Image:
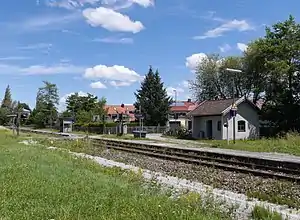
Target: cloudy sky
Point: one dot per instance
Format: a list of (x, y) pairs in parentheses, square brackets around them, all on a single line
[(105, 47)]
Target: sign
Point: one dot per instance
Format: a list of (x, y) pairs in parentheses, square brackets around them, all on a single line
[(138, 115), (232, 112)]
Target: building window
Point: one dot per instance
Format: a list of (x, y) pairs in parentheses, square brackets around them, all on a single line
[(219, 126), (241, 126)]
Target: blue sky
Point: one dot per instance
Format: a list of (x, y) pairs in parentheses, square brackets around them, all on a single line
[(104, 47)]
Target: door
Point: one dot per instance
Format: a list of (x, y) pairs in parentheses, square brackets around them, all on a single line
[(209, 129)]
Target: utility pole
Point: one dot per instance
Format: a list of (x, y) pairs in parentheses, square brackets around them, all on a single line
[(140, 120), (233, 106), (18, 119)]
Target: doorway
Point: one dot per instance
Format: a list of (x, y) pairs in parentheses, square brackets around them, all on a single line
[(209, 129)]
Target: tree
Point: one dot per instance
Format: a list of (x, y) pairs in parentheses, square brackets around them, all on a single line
[(153, 99), (80, 106), (275, 60), (3, 116), (45, 112), (213, 81), (7, 100)]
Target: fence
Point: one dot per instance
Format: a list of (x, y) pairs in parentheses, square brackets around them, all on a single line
[(113, 130)]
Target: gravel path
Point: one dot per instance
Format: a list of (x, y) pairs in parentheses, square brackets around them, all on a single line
[(240, 201)]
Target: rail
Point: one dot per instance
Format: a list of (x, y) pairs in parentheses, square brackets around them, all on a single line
[(288, 170)]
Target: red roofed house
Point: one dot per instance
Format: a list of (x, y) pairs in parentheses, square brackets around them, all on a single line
[(178, 116), (209, 117), (114, 110)]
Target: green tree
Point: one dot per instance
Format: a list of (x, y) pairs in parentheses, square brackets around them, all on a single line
[(7, 100), (45, 112), (78, 106), (153, 99), (213, 81), (275, 60), (3, 116)]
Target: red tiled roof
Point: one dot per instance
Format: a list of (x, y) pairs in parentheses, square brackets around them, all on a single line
[(183, 107), (127, 108)]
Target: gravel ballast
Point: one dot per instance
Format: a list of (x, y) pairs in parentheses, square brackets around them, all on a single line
[(243, 205)]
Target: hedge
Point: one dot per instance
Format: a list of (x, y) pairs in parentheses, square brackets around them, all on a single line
[(108, 125)]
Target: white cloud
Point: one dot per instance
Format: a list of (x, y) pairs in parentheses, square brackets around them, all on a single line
[(98, 85), (224, 48), (172, 90), (114, 4), (114, 73), (122, 4), (194, 60), (36, 46), (50, 70), (64, 98), (115, 40), (60, 68), (185, 84), (50, 21), (233, 25), (70, 4), (242, 47), (111, 20), (13, 58), (119, 83)]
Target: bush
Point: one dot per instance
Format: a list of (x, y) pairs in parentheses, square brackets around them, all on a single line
[(181, 133), (101, 125)]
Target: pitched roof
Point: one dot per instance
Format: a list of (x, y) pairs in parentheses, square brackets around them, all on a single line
[(183, 106), (126, 110), (216, 107)]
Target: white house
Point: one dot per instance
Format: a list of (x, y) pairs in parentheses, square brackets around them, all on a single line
[(209, 118)]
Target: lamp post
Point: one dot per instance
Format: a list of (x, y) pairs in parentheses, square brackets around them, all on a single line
[(120, 115), (233, 109), (175, 91)]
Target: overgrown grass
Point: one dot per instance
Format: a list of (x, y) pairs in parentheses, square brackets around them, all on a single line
[(253, 191), (289, 144), (260, 213), (36, 183)]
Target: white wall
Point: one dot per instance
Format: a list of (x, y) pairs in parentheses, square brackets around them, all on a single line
[(199, 124), (247, 113)]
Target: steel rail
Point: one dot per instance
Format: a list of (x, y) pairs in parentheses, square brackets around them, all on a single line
[(257, 166), (237, 166)]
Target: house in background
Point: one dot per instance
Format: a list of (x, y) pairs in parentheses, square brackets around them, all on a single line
[(178, 116), (209, 117), (114, 110)]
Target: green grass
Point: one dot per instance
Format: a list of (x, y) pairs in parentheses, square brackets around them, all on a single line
[(278, 193), (260, 213), (36, 183), (290, 144)]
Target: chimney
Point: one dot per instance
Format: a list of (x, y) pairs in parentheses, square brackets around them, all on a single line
[(189, 100)]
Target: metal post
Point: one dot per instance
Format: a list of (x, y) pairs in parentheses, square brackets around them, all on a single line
[(233, 104), (227, 131), (140, 120)]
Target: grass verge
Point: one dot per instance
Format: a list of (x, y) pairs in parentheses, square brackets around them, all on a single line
[(260, 213), (36, 183), (275, 191), (289, 144)]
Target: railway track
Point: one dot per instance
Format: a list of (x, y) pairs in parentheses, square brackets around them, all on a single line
[(287, 170), (260, 167)]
